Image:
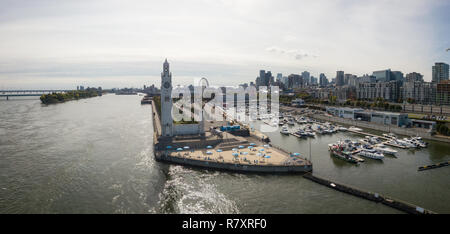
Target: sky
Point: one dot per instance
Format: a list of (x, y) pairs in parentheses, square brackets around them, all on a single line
[(62, 44)]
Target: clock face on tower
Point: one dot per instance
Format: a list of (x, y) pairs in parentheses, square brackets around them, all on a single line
[(166, 85)]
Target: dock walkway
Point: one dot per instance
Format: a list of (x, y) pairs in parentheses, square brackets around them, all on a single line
[(396, 204), (434, 166)]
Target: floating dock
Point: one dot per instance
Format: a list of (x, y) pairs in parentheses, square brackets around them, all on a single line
[(396, 204), (359, 159), (297, 135), (434, 166)]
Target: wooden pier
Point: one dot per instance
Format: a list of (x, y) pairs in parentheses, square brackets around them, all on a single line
[(359, 159), (396, 204), (297, 135)]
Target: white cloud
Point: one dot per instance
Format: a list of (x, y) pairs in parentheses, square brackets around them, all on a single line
[(295, 54)]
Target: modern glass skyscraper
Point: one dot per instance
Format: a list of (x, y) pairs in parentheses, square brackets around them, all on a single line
[(383, 75), (440, 72), (339, 78)]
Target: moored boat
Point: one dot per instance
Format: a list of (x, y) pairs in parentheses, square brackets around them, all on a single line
[(284, 130), (385, 150), (338, 151)]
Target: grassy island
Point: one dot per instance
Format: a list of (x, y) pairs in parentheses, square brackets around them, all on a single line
[(71, 95)]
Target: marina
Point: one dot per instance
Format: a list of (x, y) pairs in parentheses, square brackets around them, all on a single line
[(373, 146)]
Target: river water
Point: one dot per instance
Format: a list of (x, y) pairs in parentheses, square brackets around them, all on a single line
[(95, 156)]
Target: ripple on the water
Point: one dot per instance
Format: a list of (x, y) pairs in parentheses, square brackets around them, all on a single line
[(189, 191)]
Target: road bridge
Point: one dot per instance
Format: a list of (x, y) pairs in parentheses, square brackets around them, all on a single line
[(29, 92)]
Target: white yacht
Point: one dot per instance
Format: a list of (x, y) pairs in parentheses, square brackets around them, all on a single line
[(415, 143), (405, 144), (284, 130), (299, 133), (370, 153), (419, 140), (342, 129), (365, 141), (310, 133), (390, 135), (353, 128), (291, 122), (385, 150)]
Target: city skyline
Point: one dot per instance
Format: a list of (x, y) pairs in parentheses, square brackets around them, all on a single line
[(61, 45)]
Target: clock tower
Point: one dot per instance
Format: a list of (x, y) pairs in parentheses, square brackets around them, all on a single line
[(166, 101)]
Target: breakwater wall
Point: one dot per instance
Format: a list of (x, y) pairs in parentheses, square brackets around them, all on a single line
[(232, 167), (396, 204)]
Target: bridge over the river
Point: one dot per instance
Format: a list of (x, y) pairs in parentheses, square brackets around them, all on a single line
[(31, 92)]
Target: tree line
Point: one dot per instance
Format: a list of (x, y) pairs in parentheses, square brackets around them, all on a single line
[(70, 95)]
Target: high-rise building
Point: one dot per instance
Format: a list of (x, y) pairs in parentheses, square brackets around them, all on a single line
[(313, 80), (440, 72), (306, 77), (419, 91), (350, 79), (323, 81), (397, 75), (264, 79), (285, 80), (443, 93), (340, 78), (413, 76), (366, 78), (279, 77), (387, 90), (383, 75), (295, 81)]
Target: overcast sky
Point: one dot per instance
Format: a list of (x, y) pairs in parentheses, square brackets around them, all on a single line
[(62, 44)]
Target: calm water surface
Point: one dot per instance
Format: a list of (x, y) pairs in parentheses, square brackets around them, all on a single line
[(95, 156)]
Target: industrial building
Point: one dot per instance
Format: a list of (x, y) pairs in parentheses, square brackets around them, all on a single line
[(380, 117)]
